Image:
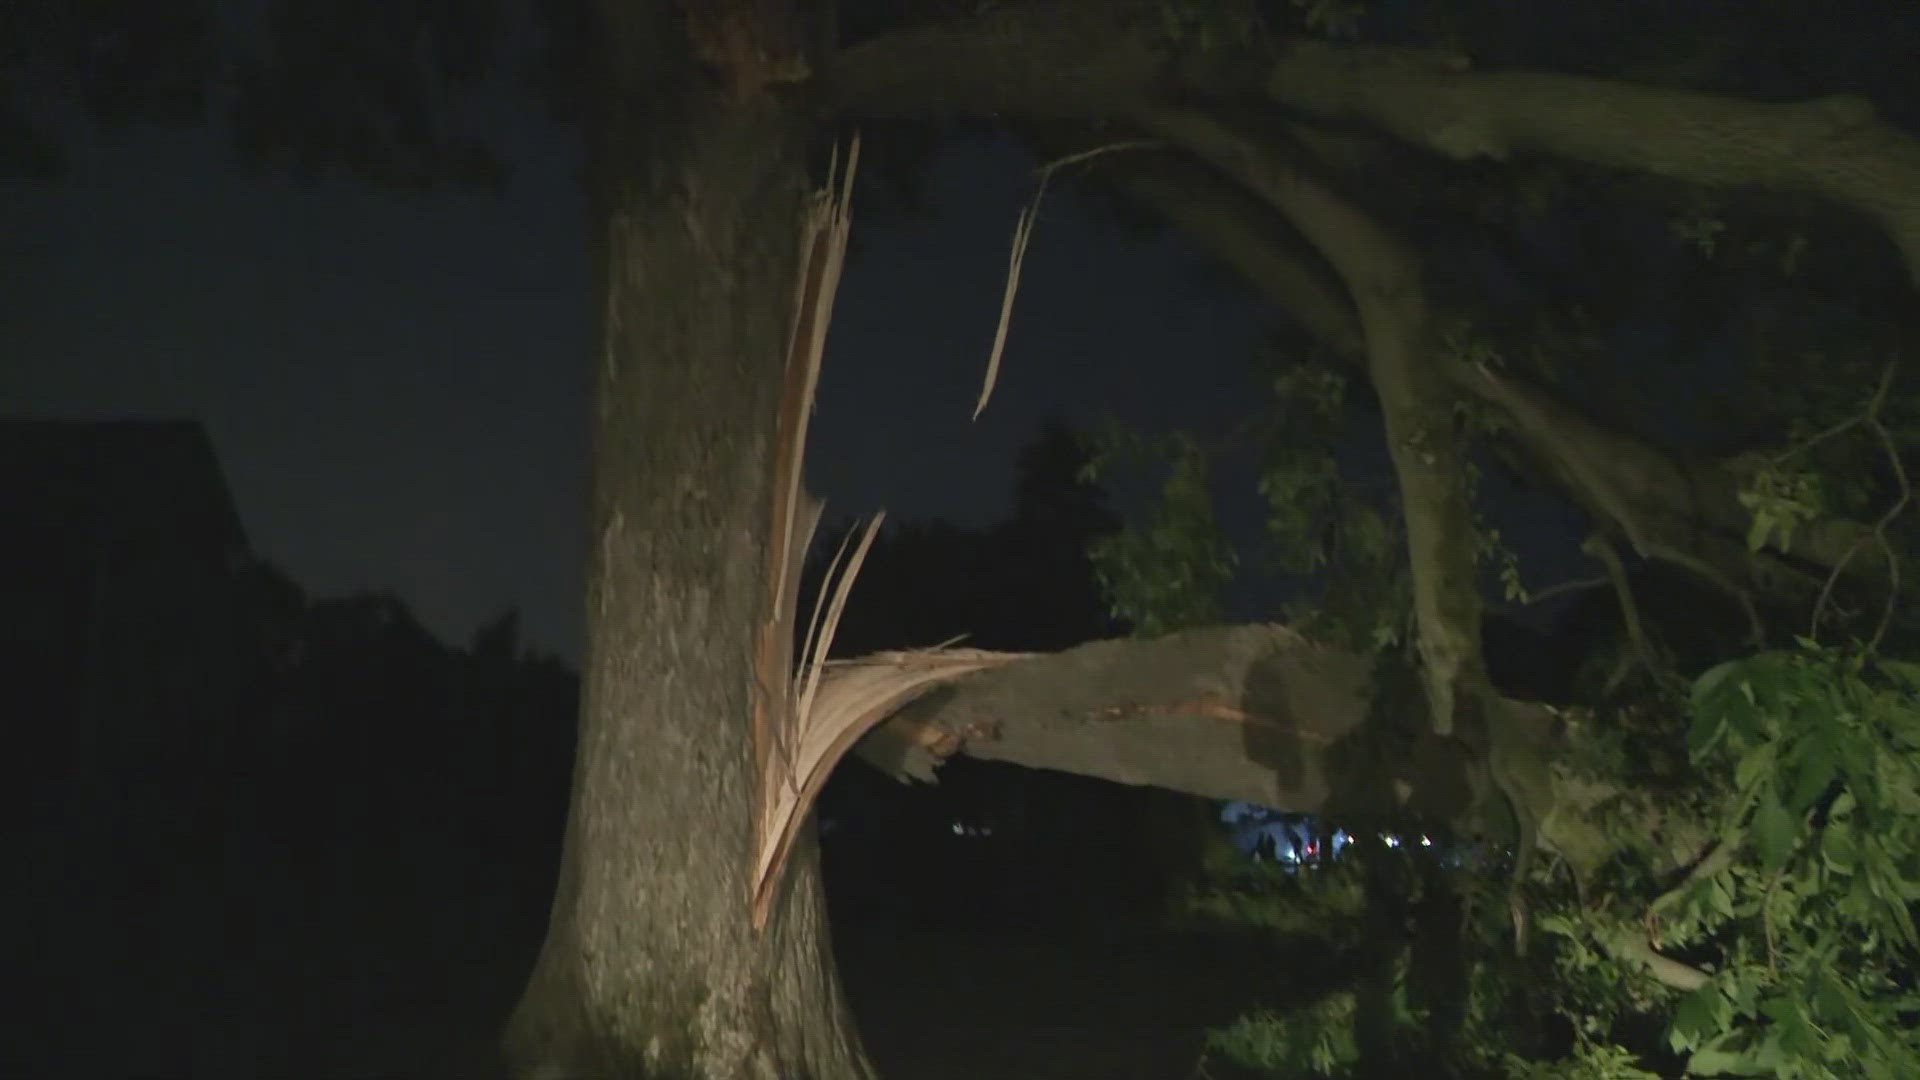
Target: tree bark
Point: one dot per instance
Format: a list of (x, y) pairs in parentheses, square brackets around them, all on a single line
[(1223, 712), (1081, 62), (1253, 712), (651, 966), (1833, 148), (1667, 507), (1084, 60), (1384, 278)]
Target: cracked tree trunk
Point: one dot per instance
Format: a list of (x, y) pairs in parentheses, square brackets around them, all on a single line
[(651, 965)]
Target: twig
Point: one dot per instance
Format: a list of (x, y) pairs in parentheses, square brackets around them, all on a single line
[(1597, 546), (1574, 585), (1714, 861), (1880, 532), (1022, 236), (1615, 505), (1075, 158), (1870, 419)]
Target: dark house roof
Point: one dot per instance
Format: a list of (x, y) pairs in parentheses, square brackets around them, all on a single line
[(119, 548), (70, 477)]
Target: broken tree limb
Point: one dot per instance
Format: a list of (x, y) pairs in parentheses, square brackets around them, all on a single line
[(1252, 712), (784, 726), (1242, 712)]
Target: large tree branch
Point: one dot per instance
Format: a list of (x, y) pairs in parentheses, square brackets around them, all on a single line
[(1039, 62), (1252, 712), (1244, 233), (1385, 280), (1068, 61), (1686, 512), (1064, 60), (1834, 147), (1244, 712), (1227, 712)]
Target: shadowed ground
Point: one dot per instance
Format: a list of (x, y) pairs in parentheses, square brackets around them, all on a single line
[(1045, 1005)]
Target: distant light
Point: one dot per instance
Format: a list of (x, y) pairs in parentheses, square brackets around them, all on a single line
[(1426, 841)]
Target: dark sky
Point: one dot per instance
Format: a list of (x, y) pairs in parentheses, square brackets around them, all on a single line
[(397, 386)]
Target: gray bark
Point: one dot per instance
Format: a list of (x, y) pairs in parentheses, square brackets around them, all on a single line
[(651, 966)]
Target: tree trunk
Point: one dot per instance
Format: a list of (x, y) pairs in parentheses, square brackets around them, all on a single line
[(651, 966)]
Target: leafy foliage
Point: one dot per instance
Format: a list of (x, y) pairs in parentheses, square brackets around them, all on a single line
[(1591, 1061), (1411, 989), (119, 62), (1239, 892), (1807, 902), (1337, 537), (1169, 572), (1780, 502), (1799, 909), (1321, 524), (1315, 1041)]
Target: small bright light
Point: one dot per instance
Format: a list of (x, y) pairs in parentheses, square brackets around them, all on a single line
[(1392, 841), (959, 829), (1426, 841)]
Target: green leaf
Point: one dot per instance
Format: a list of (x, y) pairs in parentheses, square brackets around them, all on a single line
[(1775, 832), (1711, 680), (1695, 1019), (1837, 848), (1720, 897), (1818, 767), (1903, 670), (1754, 765), (1734, 1054), (1704, 734)]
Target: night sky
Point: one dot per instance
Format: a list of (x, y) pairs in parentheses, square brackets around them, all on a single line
[(397, 385)]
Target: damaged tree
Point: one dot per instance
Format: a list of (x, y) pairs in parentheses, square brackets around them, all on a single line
[(707, 958), (687, 936), (708, 233)]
